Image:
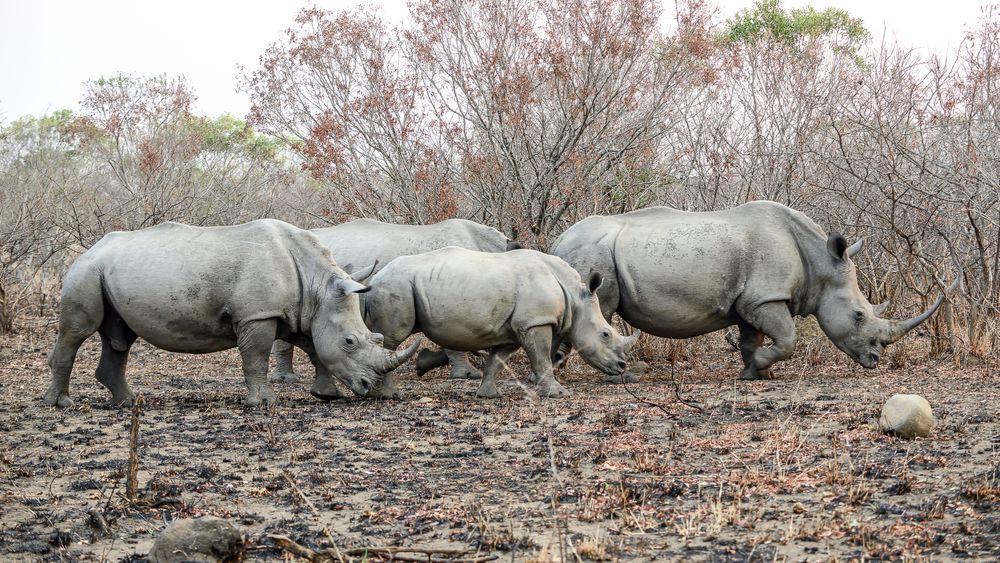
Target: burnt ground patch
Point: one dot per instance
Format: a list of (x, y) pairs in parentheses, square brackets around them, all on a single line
[(790, 468)]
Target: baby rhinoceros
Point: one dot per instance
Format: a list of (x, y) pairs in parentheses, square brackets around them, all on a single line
[(467, 300)]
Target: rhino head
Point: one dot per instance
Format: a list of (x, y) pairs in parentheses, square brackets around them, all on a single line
[(848, 319), (598, 343), (345, 346)]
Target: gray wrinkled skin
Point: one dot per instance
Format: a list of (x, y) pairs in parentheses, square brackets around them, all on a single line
[(359, 244), (466, 300), (206, 289), (679, 274)]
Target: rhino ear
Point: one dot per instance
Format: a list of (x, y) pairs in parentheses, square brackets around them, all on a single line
[(594, 281), (344, 286), (837, 245)]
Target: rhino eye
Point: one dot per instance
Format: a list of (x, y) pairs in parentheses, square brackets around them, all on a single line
[(859, 316), (605, 334), (349, 340)]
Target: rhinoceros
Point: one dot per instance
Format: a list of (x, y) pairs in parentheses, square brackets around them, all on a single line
[(467, 300), (680, 274), (206, 289), (366, 242)]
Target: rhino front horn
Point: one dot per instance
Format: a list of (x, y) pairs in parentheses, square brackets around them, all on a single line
[(900, 328), (400, 357)]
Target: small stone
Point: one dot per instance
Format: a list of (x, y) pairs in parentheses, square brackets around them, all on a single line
[(424, 400), (907, 416), (207, 539)]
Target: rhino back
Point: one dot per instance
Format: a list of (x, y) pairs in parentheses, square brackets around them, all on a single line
[(469, 300), (681, 274), (363, 241), (184, 288)]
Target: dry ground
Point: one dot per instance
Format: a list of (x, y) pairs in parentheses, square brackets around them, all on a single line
[(785, 469)]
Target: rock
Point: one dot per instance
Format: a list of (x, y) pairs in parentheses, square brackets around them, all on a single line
[(206, 539), (907, 416)]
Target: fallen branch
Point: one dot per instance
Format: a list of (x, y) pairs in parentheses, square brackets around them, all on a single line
[(677, 394), (132, 480), (312, 507), (405, 554)]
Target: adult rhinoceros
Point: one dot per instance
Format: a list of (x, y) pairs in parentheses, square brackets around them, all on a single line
[(205, 289), (467, 300), (365, 242), (679, 274)]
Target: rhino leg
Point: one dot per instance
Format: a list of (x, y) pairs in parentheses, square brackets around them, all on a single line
[(750, 340), (323, 387), (461, 367), (537, 343), (430, 359), (111, 370), (283, 371), (79, 317), (254, 339), (496, 360), (774, 320), (61, 363)]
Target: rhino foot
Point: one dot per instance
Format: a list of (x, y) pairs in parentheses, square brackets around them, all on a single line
[(124, 402), (261, 396), (57, 399), (756, 375), (284, 377), (487, 392), (552, 389), (465, 373), (325, 390), (430, 359)]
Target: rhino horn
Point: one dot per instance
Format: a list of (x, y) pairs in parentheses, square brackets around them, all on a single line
[(632, 339), (880, 308), (900, 328), (855, 248), (396, 359), (364, 273)]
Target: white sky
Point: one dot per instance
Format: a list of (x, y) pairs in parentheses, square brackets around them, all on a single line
[(49, 48)]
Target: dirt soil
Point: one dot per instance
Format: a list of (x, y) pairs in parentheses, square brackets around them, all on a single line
[(788, 469)]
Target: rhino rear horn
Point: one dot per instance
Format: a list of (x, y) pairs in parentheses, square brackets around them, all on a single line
[(631, 339), (880, 308), (363, 274), (855, 248)]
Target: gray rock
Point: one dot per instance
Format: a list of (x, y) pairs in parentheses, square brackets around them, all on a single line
[(207, 539), (907, 416)]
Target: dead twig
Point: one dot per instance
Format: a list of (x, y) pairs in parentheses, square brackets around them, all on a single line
[(408, 554), (312, 507), (132, 480)]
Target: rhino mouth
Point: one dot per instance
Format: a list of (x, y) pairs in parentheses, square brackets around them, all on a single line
[(868, 361)]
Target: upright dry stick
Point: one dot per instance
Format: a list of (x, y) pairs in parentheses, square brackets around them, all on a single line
[(132, 482)]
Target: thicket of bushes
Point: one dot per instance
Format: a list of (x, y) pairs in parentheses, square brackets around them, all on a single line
[(529, 115)]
